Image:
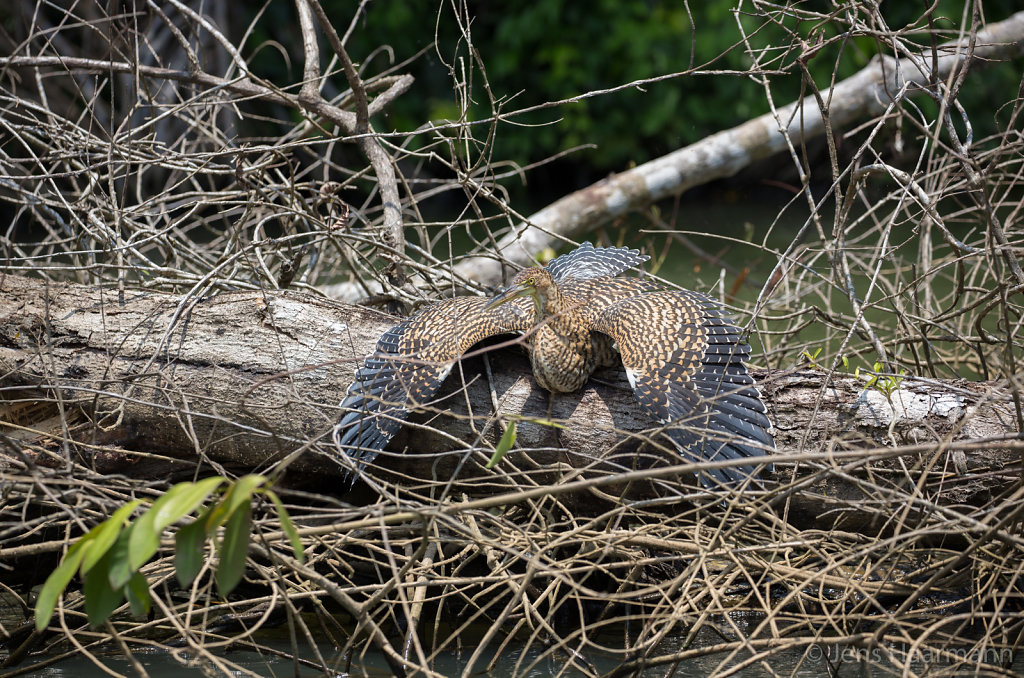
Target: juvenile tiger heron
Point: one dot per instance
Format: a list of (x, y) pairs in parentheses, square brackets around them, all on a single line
[(683, 358)]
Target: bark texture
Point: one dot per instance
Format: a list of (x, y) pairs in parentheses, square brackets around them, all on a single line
[(245, 378)]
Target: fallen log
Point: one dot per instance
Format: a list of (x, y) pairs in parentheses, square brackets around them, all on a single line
[(248, 378)]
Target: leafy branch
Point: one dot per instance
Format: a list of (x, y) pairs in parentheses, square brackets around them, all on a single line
[(110, 556)]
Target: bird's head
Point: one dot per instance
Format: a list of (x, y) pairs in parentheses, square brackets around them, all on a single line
[(535, 283)]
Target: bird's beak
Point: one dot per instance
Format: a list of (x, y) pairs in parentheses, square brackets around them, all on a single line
[(508, 294)]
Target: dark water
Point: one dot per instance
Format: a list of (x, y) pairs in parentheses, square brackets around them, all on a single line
[(806, 662)]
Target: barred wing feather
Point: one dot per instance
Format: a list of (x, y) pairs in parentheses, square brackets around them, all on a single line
[(411, 362), (685, 361)]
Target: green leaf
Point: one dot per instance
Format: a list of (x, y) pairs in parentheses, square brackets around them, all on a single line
[(175, 504), (508, 439), (101, 599), (104, 534), (137, 592), (119, 565), (238, 494), (233, 549), (189, 551), (288, 527), (58, 580)]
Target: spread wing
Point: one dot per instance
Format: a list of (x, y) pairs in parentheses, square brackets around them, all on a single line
[(685, 361), (412, 359), (587, 261)]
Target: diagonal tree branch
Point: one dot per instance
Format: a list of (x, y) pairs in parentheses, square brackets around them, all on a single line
[(721, 155)]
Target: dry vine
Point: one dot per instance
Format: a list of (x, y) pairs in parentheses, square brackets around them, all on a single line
[(132, 170)]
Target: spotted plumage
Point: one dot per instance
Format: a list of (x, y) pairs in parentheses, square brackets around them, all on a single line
[(683, 358)]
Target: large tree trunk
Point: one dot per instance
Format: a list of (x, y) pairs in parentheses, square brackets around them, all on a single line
[(245, 378)]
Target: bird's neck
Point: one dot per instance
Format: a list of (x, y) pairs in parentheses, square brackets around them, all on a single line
[(561, 346), (554, 313), (551, 304), (548, 303)]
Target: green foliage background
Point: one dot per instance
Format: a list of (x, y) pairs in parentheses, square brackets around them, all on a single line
[(559, 49)]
